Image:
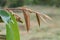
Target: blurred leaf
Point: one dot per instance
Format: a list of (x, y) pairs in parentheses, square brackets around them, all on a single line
[(5, 16), (1, 19), (12, 32)]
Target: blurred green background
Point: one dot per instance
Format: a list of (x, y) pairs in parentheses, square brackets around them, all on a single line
[(17, 3)]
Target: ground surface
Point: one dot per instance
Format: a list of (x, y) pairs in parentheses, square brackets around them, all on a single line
[(49, 31)]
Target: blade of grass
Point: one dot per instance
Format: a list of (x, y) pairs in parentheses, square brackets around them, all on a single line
[(12, 32)]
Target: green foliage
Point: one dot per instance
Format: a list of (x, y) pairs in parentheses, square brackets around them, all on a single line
[(28, 2), (47, 2), (2, 3), (36, 1), (17, 3), (12, 32), (11, 3)]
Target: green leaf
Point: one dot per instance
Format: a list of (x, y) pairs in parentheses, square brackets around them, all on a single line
[(12, 32), (4, 15)]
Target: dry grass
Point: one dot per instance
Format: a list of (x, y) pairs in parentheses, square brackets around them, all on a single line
[(26, 13), (49, 31)]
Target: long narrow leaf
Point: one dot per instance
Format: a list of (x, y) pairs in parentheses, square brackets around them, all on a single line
[(12, 32)]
